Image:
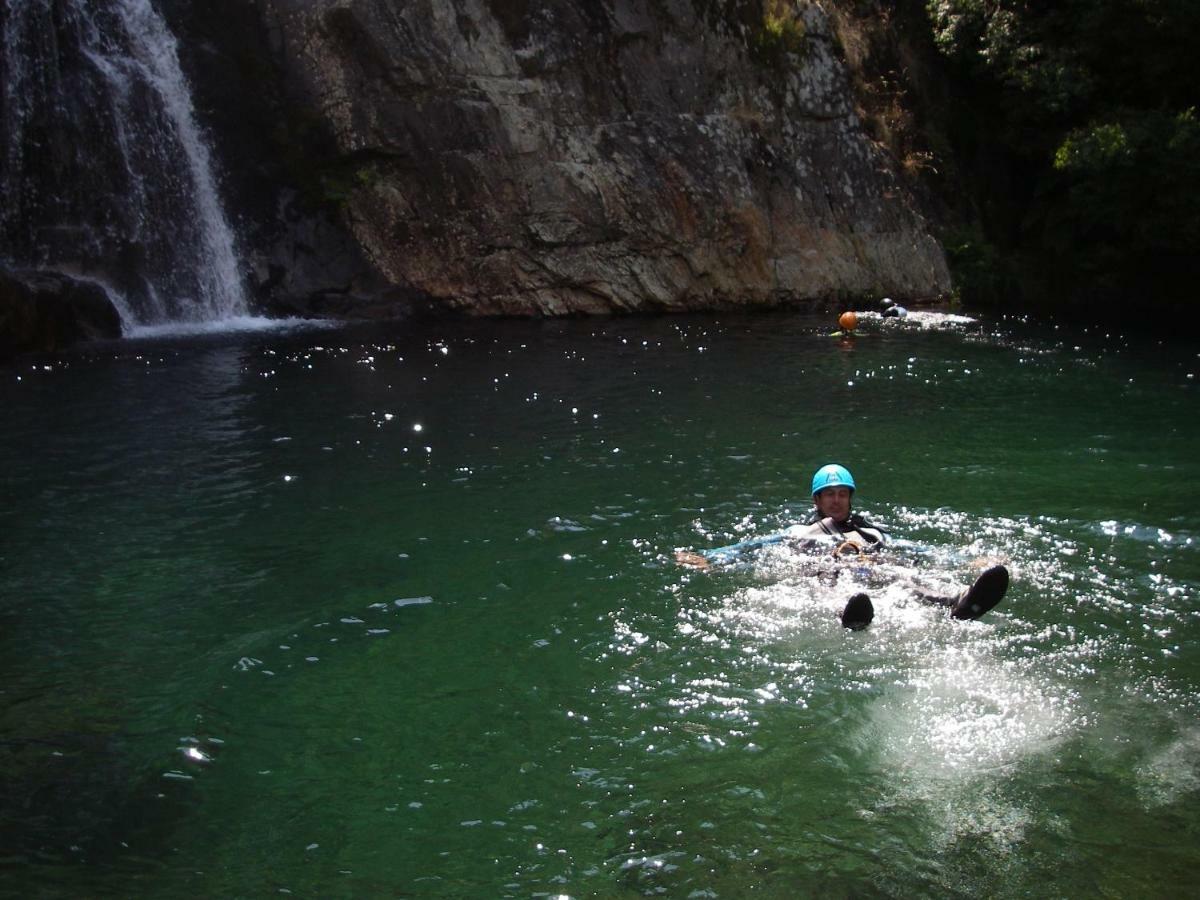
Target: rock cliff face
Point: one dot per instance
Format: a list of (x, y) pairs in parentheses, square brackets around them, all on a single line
[(47, 311), (557, 156)]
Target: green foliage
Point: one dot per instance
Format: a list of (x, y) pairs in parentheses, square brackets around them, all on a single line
[(982, 274), (1125, 207), (1088, 150), (1020, 50), (1075, 121), (958, 27), (781, 29), (780, 34)]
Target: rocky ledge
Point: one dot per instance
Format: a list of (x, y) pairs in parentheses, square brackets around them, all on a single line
[(47, 311)]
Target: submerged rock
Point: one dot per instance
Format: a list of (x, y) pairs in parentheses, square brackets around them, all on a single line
[(590, 156), (47, 311)]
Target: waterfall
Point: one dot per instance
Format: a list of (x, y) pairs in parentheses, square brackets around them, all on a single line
[(104, 171)]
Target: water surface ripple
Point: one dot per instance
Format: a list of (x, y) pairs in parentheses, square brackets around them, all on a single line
[(393, 611)]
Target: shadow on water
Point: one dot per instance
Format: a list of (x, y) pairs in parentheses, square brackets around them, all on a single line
[(375, 611)]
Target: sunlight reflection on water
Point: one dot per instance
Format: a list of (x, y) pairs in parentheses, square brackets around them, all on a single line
[(413, 611), (955, 710)]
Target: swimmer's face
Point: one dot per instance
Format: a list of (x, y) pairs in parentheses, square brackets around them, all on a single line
[(833, 501)]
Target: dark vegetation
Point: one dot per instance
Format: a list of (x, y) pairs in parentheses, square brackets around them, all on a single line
[(1073, 128)]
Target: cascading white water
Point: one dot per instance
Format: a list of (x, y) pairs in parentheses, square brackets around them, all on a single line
[(105, 171), (154, 49)]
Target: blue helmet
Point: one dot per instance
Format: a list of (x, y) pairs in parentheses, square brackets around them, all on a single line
[(832, 475)]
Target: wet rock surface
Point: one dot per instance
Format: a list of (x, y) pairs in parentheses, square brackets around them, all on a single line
[(48, 311), (534, 158)]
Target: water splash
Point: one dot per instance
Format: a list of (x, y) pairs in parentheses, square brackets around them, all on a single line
[(954, 720), (229, 325)]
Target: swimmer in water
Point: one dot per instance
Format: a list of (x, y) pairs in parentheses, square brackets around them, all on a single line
[(833, 522)]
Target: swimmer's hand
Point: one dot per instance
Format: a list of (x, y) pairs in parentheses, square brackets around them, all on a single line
[(691, 560)]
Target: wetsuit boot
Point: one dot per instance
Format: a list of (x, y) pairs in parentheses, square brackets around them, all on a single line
[(983, 595), (858, 612)]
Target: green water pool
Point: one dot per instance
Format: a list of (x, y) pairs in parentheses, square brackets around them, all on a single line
[(392, 611)]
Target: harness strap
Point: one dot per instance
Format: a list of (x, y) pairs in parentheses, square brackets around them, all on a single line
[(830, 527), (858, 526)]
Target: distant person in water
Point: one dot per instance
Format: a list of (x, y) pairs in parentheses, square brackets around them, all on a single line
[(834, 521)]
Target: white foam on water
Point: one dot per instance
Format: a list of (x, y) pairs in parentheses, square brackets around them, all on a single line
[(412, 601), (933, 320), (232, 325), (952, 707), (984, 816), (927, 320), (1171, 773), (955, 710), (959, 722), (962, 712)]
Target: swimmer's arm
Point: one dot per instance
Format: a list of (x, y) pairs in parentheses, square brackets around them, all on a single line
[(704, 559)]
